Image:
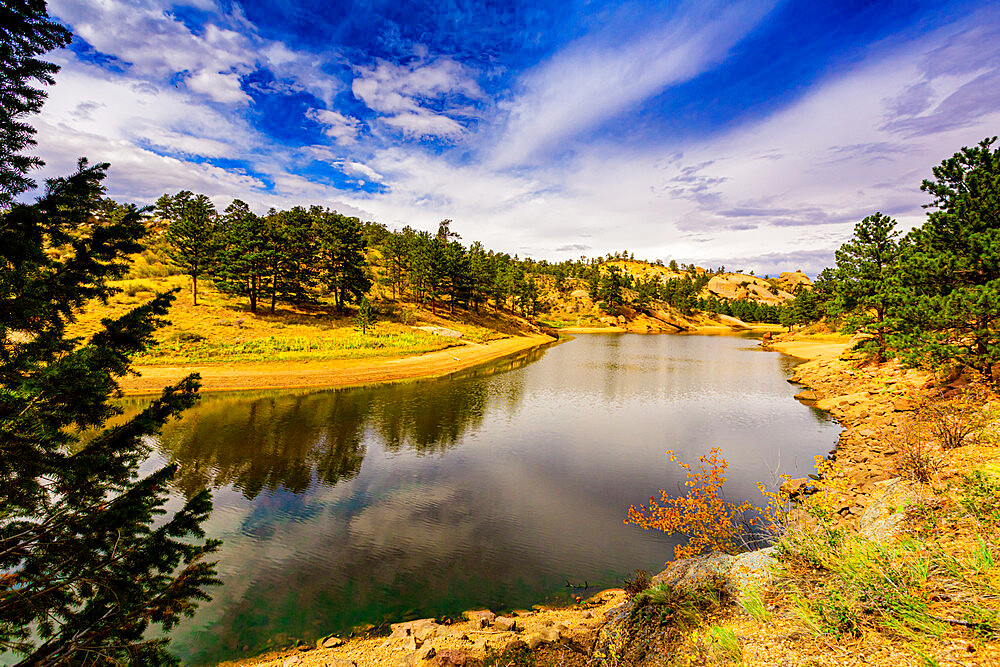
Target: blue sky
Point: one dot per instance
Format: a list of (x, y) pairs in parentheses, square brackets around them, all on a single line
[(752, 134)]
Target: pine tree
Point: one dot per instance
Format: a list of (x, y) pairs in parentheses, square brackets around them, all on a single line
[(191, 233), (241, 258), (364, 320), (865, 278), (26, 32), (85, 570), (341, 256), (950, 273)]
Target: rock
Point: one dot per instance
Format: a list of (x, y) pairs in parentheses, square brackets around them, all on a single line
[(904, 405), (587, 614), (302, 646), (883, 519), (479, 618), (542, 636), (694, 573), (329, 642), (751, 569), (450, 657), (580, 294), (426, 653), (422, 628), (340, 662), (291, 660), (505, 624), (807, 396), (412, 643)]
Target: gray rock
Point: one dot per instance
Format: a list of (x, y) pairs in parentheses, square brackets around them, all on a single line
[(751, 569), (329, 642), (883, 519), (697, 572), (291, 660)]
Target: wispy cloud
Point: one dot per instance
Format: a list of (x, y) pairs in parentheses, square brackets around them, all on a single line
[(402, 93), (602, 74)]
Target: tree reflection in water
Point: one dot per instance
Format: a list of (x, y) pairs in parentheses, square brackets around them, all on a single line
[(270, 441)]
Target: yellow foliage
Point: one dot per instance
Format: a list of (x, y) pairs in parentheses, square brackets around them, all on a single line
[(702, 514)]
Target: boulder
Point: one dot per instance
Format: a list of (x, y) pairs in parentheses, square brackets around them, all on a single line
[(807, 396), (753, 569), (479, 618), (883, 518), (580, 294), (422, 628), (329, 642), (516, 645), (792, 279), (695, 573), (505, 624)]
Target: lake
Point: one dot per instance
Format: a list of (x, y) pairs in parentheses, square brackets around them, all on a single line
[(493, 487)]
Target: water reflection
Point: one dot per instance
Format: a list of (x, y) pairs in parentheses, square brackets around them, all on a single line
[(291, 442), (490, 487)]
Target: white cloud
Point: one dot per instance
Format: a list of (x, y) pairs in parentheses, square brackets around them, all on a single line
[(423, 123), (342, 129), (400, 91), (361, 169), (158, 47), (219, 86)]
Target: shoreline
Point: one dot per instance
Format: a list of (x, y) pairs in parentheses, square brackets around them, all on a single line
[(337, 374), (329, 374)]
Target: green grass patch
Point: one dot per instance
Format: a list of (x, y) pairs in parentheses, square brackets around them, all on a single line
[(347, 344)]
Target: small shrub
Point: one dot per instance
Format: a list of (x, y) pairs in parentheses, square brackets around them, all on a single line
[(916, 457), (680, 608), (637, 583), (959, 420), (980, 497), (709, 522)]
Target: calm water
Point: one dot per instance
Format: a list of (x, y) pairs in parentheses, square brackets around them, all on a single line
[(489, 488)]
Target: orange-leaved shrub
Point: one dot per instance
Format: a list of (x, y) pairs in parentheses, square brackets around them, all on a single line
[(704, 516)]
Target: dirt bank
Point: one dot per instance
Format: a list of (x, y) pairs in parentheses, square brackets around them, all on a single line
[(340, 373)]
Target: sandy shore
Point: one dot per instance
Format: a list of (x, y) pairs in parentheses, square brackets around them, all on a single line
[(340, 373), (810, 349)]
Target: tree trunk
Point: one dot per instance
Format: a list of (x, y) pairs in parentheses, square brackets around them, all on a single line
[(194, 282)]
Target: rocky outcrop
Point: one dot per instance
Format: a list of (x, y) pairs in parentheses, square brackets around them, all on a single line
[(737, 286), (790, 280)]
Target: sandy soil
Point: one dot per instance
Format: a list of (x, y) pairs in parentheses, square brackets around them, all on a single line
[(809, 349), (340, 373)]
